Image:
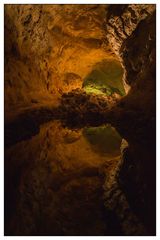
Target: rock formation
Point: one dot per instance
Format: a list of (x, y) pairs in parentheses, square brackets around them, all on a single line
[(133, 39)]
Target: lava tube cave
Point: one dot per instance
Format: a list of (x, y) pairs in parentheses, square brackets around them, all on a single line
[(80, 120)]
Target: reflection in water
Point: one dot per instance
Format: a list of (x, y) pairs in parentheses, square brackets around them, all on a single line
[(54, 181), (104, 139)]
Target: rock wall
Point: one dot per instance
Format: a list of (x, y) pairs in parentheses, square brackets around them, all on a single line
[(122, 20), (135, 116), (50, 49)]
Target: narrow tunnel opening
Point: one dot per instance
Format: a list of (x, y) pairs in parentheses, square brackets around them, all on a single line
[(105, 79)]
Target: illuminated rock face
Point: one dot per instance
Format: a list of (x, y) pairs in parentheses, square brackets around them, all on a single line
[(50, 49), (122, 21), (137, 54)]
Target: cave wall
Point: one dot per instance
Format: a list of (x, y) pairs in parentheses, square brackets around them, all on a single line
[(135, 116), (137, 53), (50, 49), (122, 20)]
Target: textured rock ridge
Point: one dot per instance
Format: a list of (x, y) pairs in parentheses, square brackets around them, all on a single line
[(122, 20), (134, 115)]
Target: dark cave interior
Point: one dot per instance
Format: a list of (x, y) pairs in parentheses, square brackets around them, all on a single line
[(80, 120)]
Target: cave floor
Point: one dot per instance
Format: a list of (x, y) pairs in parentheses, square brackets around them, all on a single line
[(54, 184)]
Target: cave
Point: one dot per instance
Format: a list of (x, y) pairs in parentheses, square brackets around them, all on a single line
[(80, 120)]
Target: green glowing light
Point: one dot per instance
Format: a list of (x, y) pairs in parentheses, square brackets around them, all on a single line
[(105, 79)]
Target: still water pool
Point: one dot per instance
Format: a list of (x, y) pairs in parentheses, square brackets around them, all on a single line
[(55, 180)]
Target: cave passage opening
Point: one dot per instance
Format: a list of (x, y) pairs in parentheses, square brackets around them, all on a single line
[(105, 79)]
